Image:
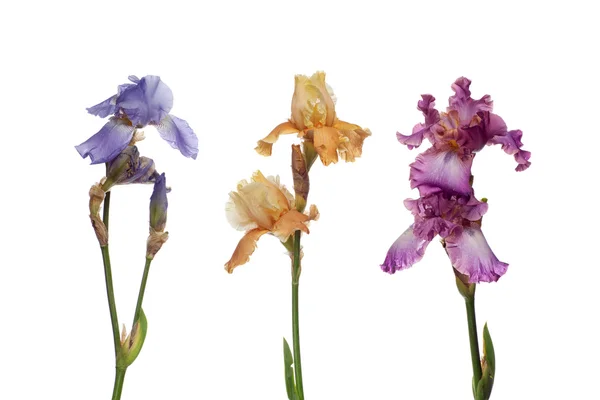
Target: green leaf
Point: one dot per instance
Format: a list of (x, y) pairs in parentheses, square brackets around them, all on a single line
[(488, 350), (485, 384), (288, 361), (131, 347)]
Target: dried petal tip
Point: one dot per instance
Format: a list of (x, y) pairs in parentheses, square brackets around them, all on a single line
[(96, 199)]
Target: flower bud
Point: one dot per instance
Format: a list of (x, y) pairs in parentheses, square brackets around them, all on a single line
[(300, 174), (158, 216)]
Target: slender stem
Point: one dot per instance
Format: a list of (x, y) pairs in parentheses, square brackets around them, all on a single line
[(475, 358), (119, 380), (138, 307), (296, 270), (110, 293)]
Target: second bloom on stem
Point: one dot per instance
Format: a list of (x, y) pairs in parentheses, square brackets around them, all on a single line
[(262, 206)]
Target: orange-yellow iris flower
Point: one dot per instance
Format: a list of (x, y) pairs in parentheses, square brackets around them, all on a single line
[(261, 206), (314, 119)]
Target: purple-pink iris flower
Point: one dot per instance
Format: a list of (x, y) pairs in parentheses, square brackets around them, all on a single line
[(146, 101), (442, 174)]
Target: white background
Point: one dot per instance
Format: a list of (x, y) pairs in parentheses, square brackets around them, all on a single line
[(365, 334)]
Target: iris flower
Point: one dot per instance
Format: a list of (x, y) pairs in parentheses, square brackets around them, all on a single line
[(146, 101), (262, 206), (456, 135), (315, 121), (447, 206)]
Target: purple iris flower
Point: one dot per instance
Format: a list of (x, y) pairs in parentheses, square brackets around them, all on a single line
[(447, 206), (146, 101), (456, 135)]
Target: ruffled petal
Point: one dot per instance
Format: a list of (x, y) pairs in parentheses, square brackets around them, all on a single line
[(105, 145), (147, 102), (511, 144), (104, 109), (421, 131), (471, 255), (327, 141), (462, 102), (293, 221), (351, 148), (265, 146), (179, 135), (442, 169), (244, 249), (406, 250)]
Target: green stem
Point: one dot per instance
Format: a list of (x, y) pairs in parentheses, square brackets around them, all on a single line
[(138, 307), (119, 380), (296, 270), (110, 294), (472, 321)]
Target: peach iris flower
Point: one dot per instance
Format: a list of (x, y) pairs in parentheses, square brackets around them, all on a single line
[(314, 119), (263, 206)]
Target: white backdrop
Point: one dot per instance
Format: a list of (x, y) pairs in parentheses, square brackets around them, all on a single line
[(365, 334)]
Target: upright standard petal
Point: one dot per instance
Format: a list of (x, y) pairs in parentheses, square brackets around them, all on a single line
[(406, 250), (464, 104), (179, 135), (447, 170), (111, 140), (147, 102), (471, 255), (511, 144)]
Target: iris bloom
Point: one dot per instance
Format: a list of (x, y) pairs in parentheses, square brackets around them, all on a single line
[(447, 206), (261, 206), (146, 101), (314, 119), (456, 135), (456, 219)]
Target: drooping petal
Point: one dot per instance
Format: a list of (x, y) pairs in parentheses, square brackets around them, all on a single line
[(511, 144), (147, 102), (327, 141), (244, 249), (265, 146), (104, 109), (351, 148), (179, 135), (443, 169), (105, 145), (406, 250), (471, 255)]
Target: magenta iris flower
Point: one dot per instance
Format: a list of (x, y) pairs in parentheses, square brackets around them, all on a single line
[(442, 174), (146, 101)]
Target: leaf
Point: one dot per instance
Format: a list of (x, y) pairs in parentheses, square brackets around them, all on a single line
[(488, 364), (132, 345), (288, 361), (488, 350)]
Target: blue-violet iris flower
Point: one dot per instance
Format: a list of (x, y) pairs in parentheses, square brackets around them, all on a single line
[(442, 174), (146, 101)]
